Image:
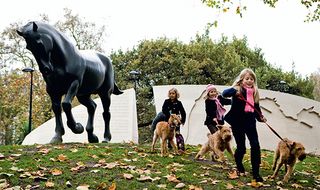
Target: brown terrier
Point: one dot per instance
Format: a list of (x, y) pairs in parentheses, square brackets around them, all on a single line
[(217, 143), (165, 130), (288, 152)]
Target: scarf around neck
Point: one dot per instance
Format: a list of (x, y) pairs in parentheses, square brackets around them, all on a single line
[(220, 109), (250, 99)]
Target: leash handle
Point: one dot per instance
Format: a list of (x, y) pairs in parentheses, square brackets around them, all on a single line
[(240, 96)]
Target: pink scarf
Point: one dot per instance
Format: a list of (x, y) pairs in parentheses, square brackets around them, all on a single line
[(250, 99), (220, 109)]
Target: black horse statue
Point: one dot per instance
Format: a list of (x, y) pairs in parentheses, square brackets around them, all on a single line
[(70, 72)]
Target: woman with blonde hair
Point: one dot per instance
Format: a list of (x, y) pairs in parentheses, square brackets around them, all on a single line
[(244, 112), (172, 106)]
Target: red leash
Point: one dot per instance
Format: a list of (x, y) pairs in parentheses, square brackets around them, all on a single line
[(261, 116)]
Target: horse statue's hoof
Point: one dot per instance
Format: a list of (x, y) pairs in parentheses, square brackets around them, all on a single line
[(78, 129), (56, 140), (105, 140), (93, 138)]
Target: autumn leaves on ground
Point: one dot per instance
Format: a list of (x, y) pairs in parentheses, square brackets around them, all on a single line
[(131, 166)]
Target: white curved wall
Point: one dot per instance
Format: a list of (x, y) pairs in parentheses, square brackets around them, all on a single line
[(123, 123), (291, 116)]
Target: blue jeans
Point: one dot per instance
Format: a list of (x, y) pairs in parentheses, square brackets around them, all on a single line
[(160, 117)]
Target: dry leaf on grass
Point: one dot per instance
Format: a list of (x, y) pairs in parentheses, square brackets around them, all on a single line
[(233, 175), (192, 187), (49, 184), (144, 178), (102, 186), (62, 158), (83, 187), (128, 176), (113, 186), (172, 178), (180, 185), (296, 186), (56, 172)]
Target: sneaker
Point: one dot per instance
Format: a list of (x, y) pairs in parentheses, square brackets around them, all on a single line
[(258, 178)]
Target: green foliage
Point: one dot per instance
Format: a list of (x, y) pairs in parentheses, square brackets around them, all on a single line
[(315, 78), (201, 61), (14, 105), (238, 7)]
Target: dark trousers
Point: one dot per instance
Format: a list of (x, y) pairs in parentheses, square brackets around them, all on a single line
[(212, 128), (240, 131)]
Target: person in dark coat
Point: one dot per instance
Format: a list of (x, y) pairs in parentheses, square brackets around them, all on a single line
[(172, 106), (244, 112), (214, 108)]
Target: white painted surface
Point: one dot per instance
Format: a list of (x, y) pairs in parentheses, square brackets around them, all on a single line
[(123, 123), (291, 116)]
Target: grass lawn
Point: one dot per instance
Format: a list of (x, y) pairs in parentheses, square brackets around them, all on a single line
[(131, 166)]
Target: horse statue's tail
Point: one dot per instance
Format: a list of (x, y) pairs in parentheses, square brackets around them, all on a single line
[(116, 90)]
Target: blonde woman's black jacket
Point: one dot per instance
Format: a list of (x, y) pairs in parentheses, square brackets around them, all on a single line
[(237, 115), (175, 107)]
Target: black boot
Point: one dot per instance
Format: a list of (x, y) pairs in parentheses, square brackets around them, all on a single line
[(238, 156), (255, 163)]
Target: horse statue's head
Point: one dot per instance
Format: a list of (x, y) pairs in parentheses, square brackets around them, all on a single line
[(40, 43)]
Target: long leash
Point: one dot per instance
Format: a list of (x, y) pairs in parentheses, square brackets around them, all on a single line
[(261, 116)]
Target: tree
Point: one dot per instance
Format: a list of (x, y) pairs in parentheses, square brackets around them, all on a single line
[(14, 84), (315, 78), (313, 6), (201, 61)]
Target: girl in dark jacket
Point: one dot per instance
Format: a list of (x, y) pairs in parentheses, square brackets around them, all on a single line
[(244, 112), (172, 106), (214, 108)]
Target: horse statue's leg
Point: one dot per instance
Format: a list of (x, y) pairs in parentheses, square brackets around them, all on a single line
[(76, 128), (56, 107), (105, 99), (91, 108)]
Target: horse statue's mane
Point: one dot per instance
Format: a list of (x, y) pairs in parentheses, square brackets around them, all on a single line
[(69, 73)]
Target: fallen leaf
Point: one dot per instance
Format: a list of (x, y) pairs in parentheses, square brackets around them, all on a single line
[(44, 151), (233, 175), (74, 150), (144, 178), (94, 157), (102, 186), (56, 172), (164, 186), (3, 184), (255, 184), (83, 187), (229, 186), (128, 176), (192, 187), (62, 158), (214, 182), (113, 186), (172, 178), (180, 185), (111, 165), (296, 186), (49, 184)]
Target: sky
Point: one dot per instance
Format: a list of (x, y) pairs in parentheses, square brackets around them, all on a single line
[(280, 32)]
